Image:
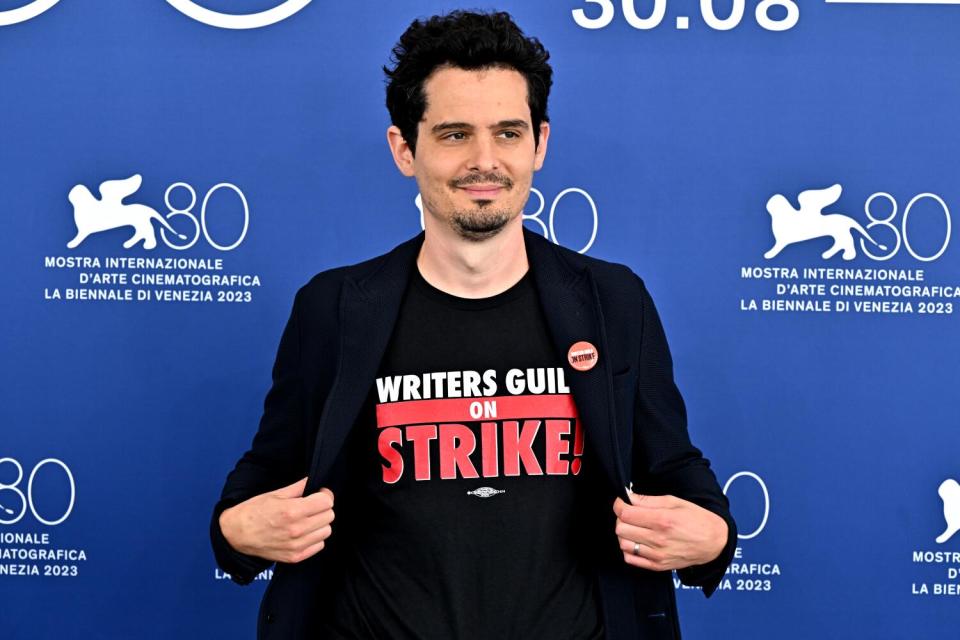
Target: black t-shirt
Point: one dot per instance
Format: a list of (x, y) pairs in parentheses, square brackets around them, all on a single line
[(463, 512)]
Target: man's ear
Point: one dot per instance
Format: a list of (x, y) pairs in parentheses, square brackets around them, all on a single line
[(402, 153), (541, 152)]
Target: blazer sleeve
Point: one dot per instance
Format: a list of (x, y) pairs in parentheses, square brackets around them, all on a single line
[(664, 459), (276, 457)]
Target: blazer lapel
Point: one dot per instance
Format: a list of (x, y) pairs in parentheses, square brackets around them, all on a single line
[(368, 312), (571, 305)]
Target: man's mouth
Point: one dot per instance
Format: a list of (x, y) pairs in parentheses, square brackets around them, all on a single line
[(483, 187), (483, 191)]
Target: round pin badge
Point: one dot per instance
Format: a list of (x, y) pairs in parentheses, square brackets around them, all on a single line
[(582, 356)]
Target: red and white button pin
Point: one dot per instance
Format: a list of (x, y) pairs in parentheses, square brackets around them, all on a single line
[(582, 355)]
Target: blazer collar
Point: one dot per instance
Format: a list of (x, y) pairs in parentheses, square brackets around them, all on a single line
[(549, 268)]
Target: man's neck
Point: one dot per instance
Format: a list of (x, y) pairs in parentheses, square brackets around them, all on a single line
[(473, 269)]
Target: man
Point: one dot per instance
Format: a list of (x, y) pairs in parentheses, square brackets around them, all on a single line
[(480, 401)]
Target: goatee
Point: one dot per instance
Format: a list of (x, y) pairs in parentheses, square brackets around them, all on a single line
[(477, 225)]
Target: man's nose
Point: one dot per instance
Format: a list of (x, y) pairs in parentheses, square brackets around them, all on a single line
[(483, 154)]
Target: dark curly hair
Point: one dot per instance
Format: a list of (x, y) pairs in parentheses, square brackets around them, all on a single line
[(467, 40)]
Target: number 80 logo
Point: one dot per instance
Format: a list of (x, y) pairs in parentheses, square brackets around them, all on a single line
[(26, 500)]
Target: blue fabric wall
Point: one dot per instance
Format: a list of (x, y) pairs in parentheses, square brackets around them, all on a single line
[(837, 428)]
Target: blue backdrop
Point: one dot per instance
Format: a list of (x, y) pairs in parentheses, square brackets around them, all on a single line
[(133, 378)]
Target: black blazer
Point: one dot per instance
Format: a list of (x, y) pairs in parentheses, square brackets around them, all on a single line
[(633, 416)]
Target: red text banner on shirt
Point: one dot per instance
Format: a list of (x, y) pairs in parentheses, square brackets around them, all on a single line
[(468, 409), (509, 425)]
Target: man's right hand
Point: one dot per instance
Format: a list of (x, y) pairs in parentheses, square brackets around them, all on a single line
[(282, 525)]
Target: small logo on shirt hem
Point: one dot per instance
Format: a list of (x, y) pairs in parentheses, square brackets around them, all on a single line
[(485, 492)]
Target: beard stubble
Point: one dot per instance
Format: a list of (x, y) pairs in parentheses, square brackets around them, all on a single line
[(484, 221)]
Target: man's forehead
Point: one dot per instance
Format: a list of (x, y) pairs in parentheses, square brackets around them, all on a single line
[(481, 97)]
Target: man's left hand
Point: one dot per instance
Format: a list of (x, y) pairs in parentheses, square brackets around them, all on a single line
[(672, 533)]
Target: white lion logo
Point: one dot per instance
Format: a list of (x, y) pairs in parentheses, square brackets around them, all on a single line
[(109, 212), (950, 494), (791, 225)]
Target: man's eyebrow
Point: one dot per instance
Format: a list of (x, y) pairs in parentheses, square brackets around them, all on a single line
[(511, 124), (503, 124), (446, 126)]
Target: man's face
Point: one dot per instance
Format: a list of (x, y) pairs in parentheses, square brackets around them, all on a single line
[(475, 152)]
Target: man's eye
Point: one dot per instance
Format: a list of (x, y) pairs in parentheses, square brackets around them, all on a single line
[(450, 136), (511, 135)]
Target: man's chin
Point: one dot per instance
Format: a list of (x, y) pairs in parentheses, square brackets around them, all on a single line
[(479, 230)]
